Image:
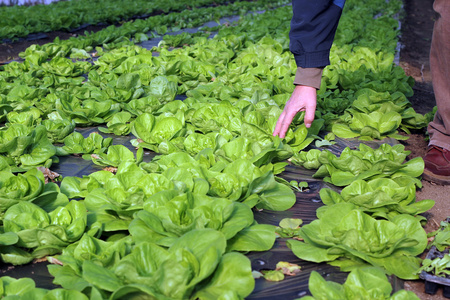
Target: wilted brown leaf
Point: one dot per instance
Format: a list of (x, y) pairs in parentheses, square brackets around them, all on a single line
[(48, 174), (288, 268), (111, 169)]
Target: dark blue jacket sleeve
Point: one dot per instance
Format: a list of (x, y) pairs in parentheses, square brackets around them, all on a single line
[(313, 27)]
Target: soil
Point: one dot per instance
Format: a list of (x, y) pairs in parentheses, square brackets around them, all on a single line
[(417, 29), (416, 32)]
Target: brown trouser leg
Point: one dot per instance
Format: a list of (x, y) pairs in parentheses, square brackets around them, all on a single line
[(439, 129)]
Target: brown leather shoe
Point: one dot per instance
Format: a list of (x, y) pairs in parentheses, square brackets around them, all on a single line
[(437, 165)]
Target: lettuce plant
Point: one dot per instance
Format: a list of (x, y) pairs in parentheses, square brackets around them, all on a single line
[(256, 186), (44, 233), (166, 216), (115, 155), (114, 199), (381, 197), (58, 129), (75, 143), (26, 147), (368, 101), (153, 131), (29, 187), (29, 117), (365, 164), (348, 238), (361, 283), (119, 124), (195, 266), (376, 125), (25, 288), (148, 104), (87, 112)]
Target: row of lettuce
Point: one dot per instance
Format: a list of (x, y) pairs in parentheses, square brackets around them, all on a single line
[(176, 227), (20, 21), (140, 29)]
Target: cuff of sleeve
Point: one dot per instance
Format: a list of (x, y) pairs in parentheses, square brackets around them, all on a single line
[(308, 76)]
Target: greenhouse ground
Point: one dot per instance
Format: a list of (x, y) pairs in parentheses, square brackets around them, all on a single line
[(417, 25)]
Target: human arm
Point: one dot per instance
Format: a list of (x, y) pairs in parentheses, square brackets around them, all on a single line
[(313, 27)]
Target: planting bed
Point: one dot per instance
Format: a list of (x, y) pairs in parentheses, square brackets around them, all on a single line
[(180, 194)]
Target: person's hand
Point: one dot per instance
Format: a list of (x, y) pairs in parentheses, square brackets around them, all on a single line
[(304, 98)]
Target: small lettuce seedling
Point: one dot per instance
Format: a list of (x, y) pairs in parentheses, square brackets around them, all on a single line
[(441, 237), (328, 140), (299, 186), (289, 228), (438, 266)]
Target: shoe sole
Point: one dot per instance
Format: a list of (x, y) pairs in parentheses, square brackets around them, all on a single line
[(439, 179)]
